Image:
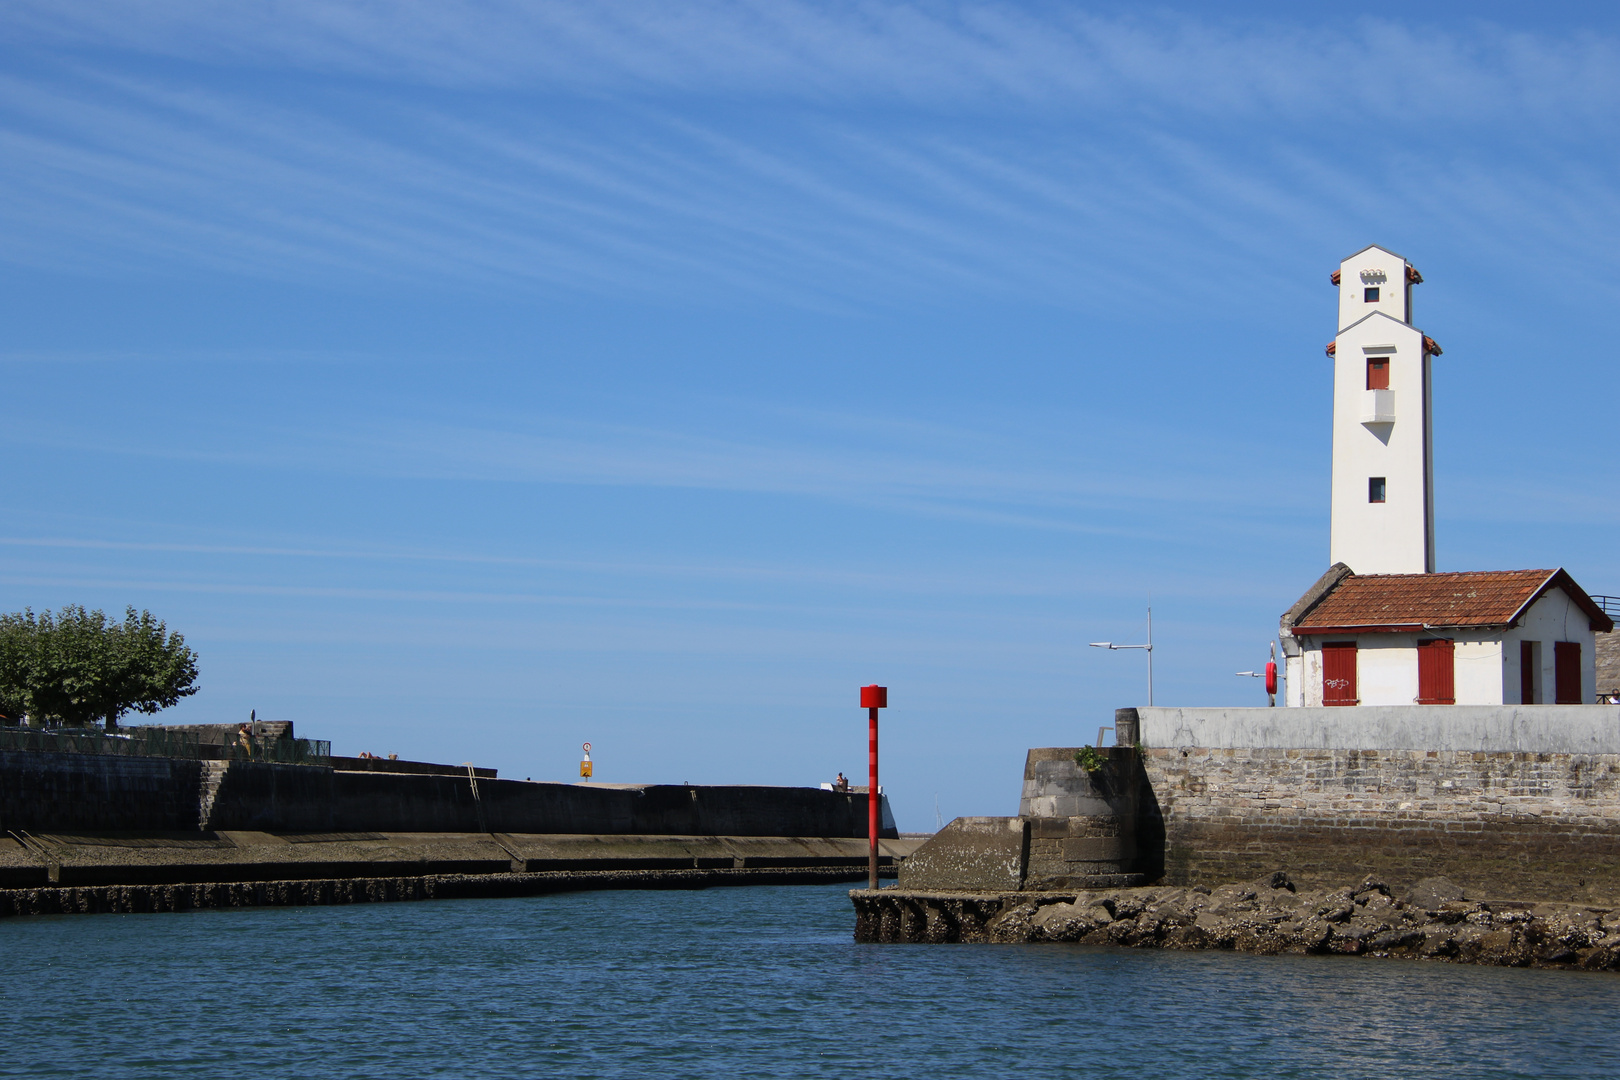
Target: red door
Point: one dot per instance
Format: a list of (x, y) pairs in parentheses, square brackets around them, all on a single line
[(1339, 673), (1527, 673), (1567, 672), (1437, 671)]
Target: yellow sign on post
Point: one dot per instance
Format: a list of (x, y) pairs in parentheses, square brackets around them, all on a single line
[(585, 764)]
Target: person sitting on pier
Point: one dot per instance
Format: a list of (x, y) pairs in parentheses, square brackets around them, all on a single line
[(842, 783)]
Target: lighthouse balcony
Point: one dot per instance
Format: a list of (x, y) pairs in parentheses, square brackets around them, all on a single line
[(1378, 407)]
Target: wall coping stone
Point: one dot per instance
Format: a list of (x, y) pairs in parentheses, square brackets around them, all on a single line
[(1532, 729)]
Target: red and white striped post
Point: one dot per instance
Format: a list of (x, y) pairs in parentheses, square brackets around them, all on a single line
[(873, 698)]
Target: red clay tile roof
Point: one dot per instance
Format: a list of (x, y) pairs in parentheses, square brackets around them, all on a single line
[(1371, 603)]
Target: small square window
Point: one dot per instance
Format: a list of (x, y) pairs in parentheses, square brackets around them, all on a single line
[(1375, 489), (1370, 294)]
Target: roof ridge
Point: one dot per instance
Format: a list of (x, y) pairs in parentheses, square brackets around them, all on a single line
[(1460, 573)]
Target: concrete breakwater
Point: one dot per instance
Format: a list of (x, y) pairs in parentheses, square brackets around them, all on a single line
[(34, 860), (1434, 920), (64, 792), (1542, 823), (1519, 801), (190, 896), (90, 832)]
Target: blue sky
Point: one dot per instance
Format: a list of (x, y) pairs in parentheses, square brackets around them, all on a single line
[(470, 380)]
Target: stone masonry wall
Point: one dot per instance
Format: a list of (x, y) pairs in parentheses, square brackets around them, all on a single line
[(1608, 663), (1544, 826)]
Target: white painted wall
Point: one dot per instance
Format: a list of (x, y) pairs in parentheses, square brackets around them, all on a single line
[(1478, 661), (1310, 682), (1554, 617), (1373, 266), (1386, 669), (1486, 661), (1395, 536)]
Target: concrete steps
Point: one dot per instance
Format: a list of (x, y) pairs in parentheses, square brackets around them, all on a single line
[(213, 775)]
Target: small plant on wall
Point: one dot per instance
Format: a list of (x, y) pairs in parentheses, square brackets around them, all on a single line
[(1089, 759)]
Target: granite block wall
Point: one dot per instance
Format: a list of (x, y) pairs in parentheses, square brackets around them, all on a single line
[(1544, 826)]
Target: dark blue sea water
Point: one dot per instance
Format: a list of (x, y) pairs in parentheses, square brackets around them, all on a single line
[(742, 982)]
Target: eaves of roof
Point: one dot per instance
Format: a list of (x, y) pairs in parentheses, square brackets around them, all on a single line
[(1388, 628), (1376, 315), (1370, 247), (1561, 579)]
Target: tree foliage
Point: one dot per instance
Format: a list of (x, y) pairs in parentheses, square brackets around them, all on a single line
[(75, 667)]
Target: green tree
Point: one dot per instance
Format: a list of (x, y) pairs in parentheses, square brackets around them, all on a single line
[(15, 650), (75, 667)]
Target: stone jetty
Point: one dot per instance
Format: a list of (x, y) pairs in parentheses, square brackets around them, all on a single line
[(1434, 920)]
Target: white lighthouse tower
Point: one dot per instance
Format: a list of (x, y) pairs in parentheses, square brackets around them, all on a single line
[(1383, 460), (1381, 627)]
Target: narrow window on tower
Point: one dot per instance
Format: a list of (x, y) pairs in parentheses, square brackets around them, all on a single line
[(1375, 489), (1370, 294), (1378, 373)]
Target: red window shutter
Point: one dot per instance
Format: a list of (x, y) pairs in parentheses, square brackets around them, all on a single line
[(1567, 671), (1437, 672), (1378, 373), (1527, 673), (1339, 673)]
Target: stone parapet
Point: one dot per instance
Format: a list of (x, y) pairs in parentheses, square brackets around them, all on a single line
[(1531, 729)]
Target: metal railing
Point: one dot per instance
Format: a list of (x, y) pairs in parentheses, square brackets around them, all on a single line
[(1609, 604), (282, 751), (156, 742), (178, 744)]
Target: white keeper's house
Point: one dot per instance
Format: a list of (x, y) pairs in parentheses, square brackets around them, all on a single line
[(1381, 627)]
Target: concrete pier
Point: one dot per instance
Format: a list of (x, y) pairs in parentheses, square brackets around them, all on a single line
[(94, 832)]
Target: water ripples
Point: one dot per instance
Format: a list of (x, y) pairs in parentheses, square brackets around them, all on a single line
[(745, 982)]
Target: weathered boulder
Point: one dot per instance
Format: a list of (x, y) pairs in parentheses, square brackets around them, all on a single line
[(1433, 893)]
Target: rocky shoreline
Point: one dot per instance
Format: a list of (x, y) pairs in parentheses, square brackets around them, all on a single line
[(1434, 920)]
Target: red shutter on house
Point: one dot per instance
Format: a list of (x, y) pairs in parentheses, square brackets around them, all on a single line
[(1378, 373), (1437, 668), (1567, 671), (1527, 673), (1339, 673)]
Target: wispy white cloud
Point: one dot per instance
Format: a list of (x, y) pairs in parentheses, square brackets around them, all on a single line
[(823, 155), (975, 53), (1032, 478)]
